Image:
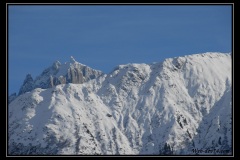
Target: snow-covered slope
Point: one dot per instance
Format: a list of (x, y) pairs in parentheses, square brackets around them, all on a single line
[(172, 107)]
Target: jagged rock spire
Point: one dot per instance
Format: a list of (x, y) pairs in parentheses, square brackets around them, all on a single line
[(58, 73), (28, 85)]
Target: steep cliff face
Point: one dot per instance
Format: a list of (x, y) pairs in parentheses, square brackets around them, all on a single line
[(178, 106), (69, 72), (28, 85)]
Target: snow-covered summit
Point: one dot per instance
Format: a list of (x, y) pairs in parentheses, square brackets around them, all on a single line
[(177, 106)]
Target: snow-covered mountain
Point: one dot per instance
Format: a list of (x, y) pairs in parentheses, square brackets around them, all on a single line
[(182, 105)]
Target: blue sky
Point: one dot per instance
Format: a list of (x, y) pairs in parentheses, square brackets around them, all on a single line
[(104, 36)]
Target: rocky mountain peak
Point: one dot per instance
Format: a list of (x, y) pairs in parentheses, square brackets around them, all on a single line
[(71, 72), (28, 84)]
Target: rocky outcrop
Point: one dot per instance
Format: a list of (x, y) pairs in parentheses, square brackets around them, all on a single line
[(69, 72), (28, 85)]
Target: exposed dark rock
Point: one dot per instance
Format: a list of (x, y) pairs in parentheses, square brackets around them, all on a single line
[(28, 85)]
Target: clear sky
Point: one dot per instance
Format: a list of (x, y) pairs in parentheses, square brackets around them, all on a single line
[(104, 36)]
